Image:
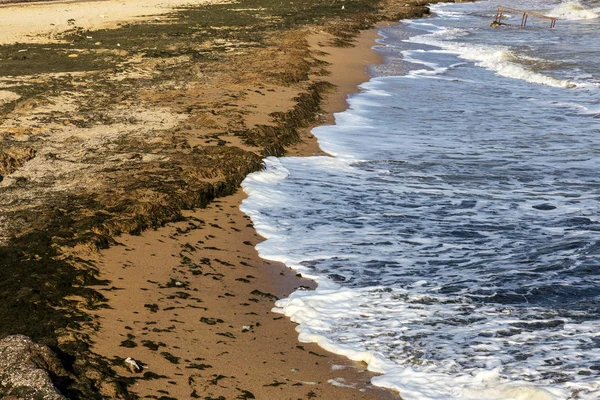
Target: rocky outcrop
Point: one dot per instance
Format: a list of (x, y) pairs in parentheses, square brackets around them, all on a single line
[(26, 370)]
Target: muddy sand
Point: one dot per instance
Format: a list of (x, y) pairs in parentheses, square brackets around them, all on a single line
[(113, 125)]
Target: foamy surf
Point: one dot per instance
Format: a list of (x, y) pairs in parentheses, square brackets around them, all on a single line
[(368, 324), (499, 59), (321, 311), (454, 236)]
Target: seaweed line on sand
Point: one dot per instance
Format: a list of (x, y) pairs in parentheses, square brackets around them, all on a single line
[(117, 131)]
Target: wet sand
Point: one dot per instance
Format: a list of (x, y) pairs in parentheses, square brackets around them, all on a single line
[(192, 301)]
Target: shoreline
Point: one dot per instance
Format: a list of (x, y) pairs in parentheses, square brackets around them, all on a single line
[(193, 299), (109, 132)]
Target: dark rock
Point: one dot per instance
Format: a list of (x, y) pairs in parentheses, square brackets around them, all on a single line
[(128, 343), (544, 207), (26, 370), (257, 292), (170, 357)]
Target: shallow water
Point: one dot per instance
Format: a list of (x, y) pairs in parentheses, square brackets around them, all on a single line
[(455, 234)]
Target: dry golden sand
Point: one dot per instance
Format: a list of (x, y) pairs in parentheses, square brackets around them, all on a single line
[(39, 22), (192, 301)]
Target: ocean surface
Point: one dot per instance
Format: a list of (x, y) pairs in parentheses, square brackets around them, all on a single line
[(455, 234)]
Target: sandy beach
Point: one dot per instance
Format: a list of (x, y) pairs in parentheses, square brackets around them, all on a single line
[(45, 22), (126, 134), (192, 301)]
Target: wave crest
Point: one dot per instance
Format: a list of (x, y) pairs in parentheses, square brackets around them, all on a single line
[(573, 11)]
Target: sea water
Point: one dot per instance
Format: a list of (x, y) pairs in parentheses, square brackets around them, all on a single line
[(455, 232)]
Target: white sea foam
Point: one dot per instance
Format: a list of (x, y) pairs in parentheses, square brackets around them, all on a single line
[(447, 233), (360, 323), (321, 311), (573, 11), (433, 68), (495, 58)]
